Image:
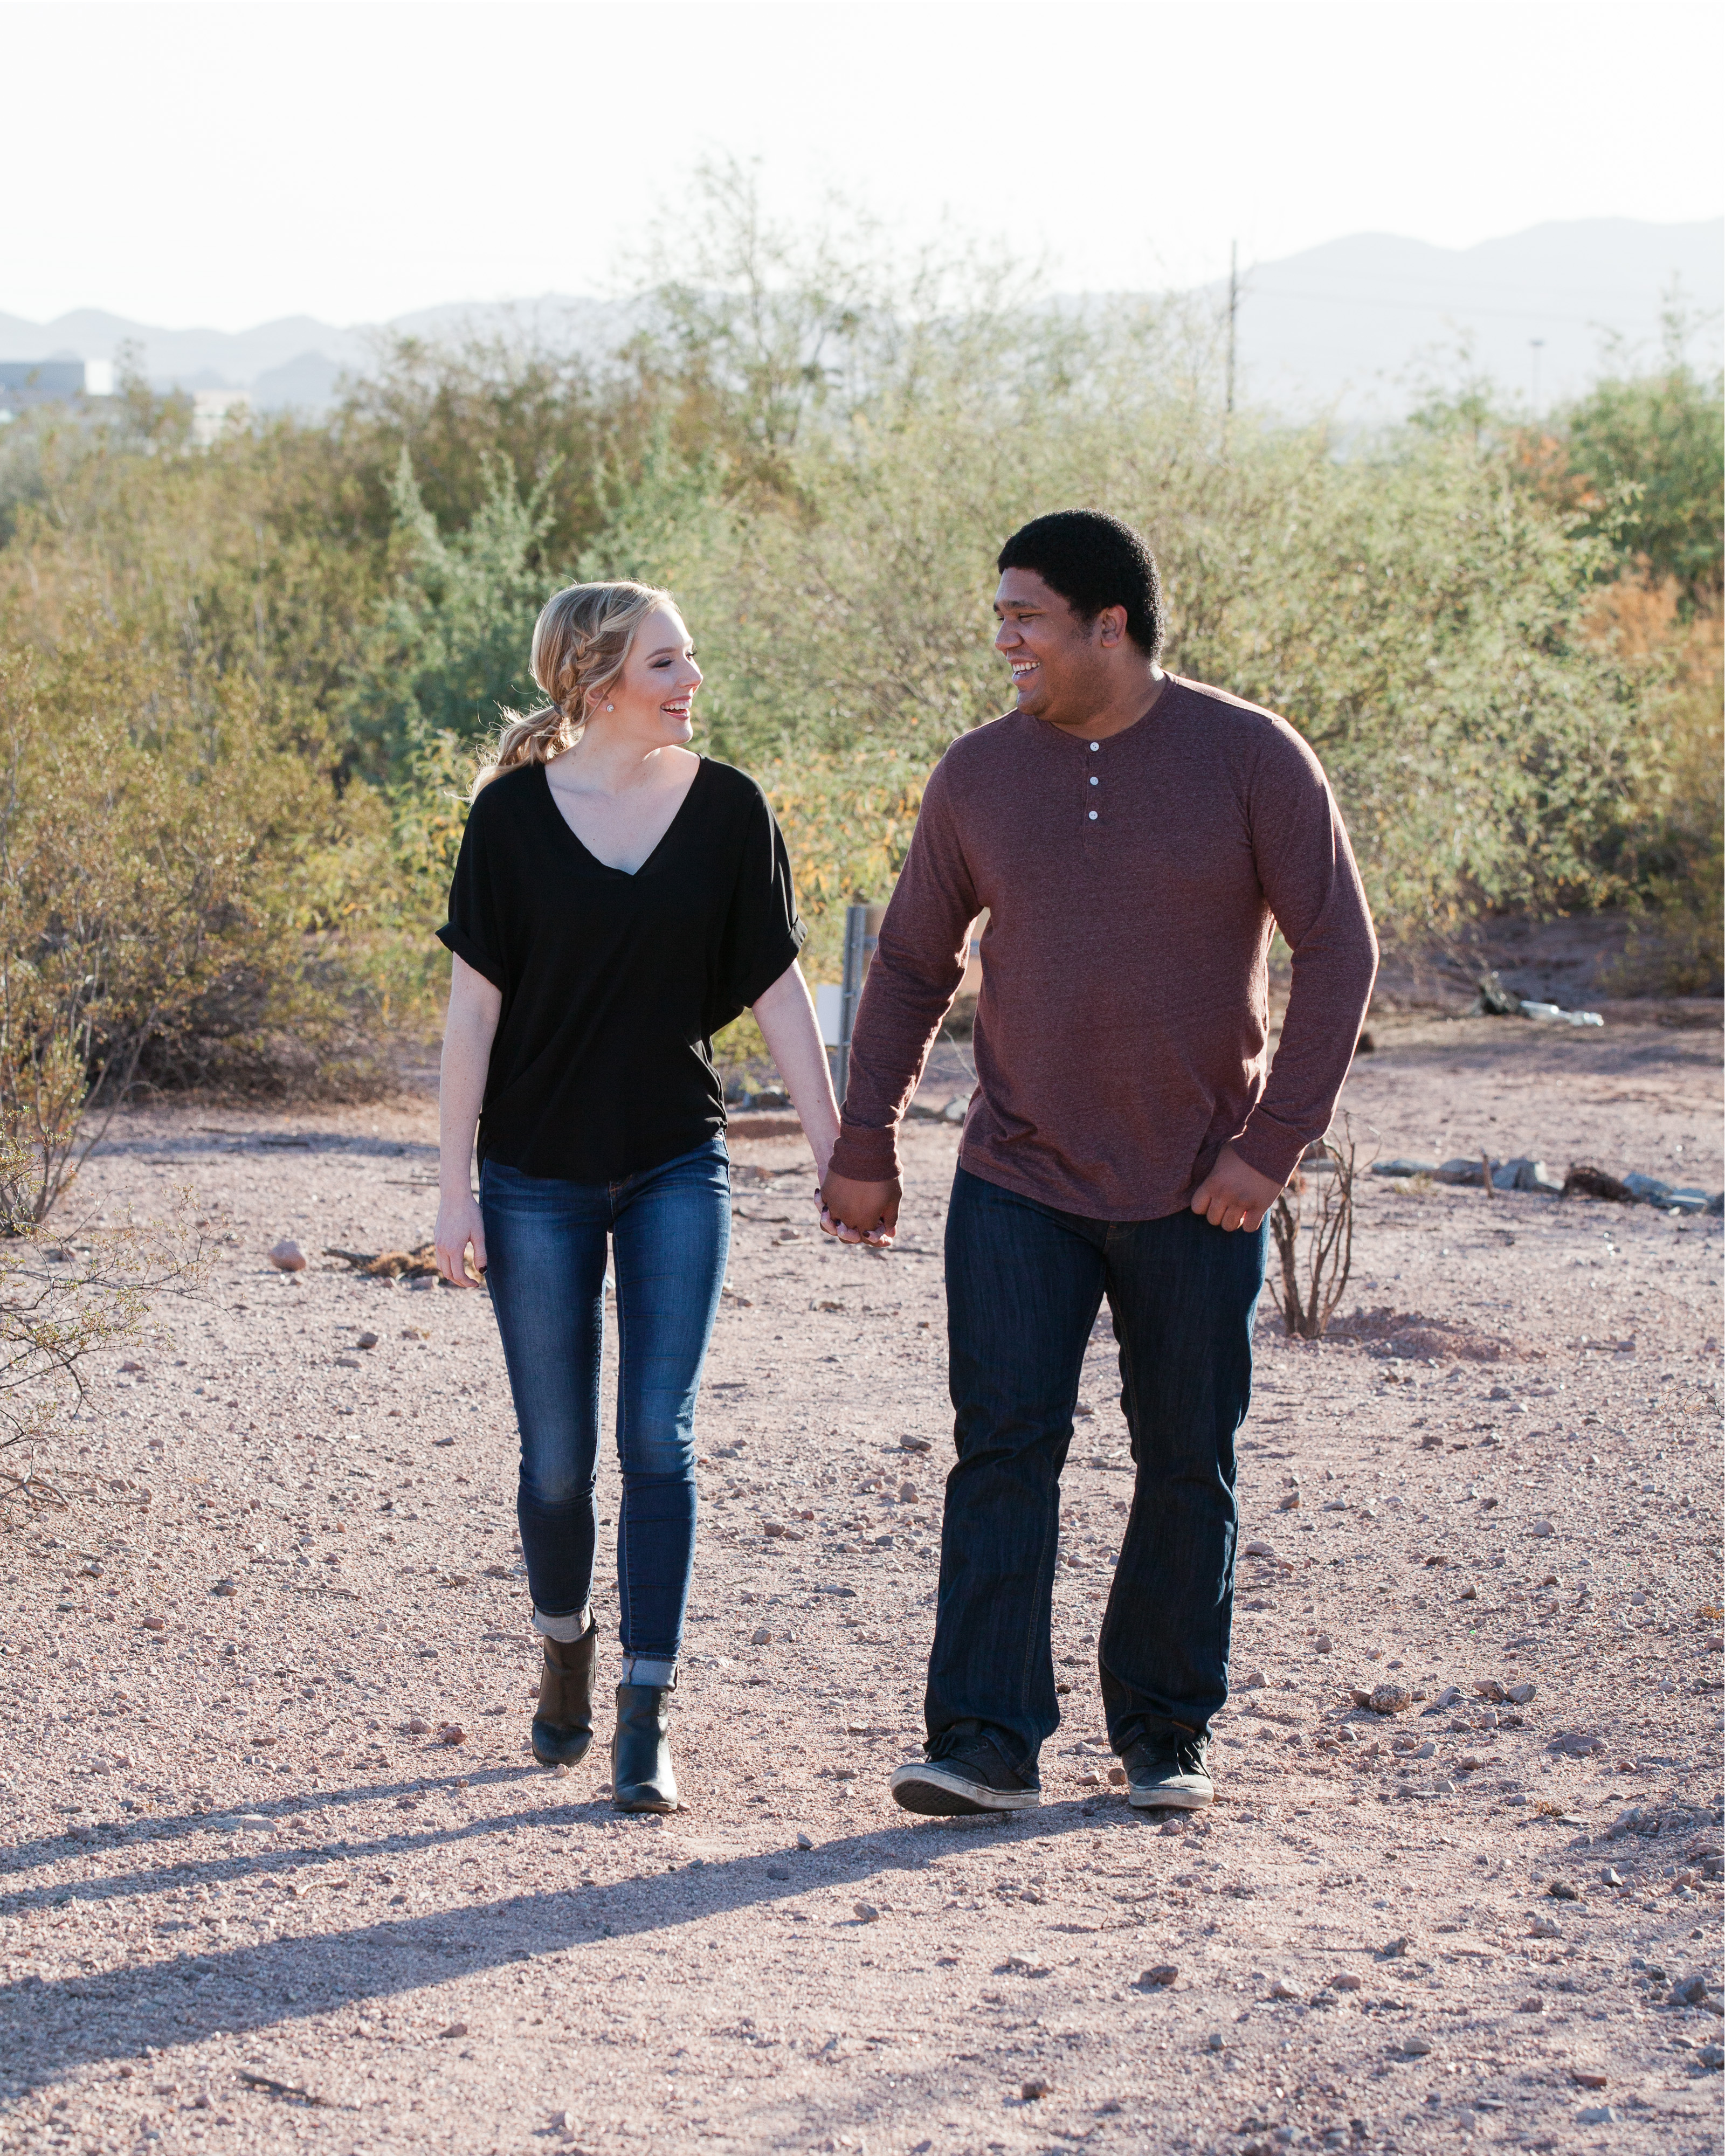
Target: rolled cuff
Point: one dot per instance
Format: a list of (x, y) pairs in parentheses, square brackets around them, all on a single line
[(471, 953), (865, 1155)]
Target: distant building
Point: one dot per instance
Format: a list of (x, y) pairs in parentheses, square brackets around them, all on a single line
[(214, 411), (26, 382)]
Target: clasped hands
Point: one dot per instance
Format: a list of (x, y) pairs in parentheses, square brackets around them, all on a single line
[(1231, 1196)]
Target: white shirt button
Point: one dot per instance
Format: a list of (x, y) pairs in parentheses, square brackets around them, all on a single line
[(1095, 745), (1093, 815), (1095, 782)]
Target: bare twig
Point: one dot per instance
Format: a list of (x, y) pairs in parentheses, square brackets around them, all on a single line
[(1307, 1306)]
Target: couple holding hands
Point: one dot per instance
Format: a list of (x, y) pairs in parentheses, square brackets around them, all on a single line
[(1133, 838)]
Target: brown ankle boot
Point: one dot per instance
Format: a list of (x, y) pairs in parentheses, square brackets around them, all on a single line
[(562, 1728)]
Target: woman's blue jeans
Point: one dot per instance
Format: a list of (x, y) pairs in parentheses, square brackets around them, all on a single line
[(670, 1227), (1024, 1284)]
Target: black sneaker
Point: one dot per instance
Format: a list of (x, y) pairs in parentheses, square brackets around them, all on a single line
[(971, 1775), (1168, 1772)]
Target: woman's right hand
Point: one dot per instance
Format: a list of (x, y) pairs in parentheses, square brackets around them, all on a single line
[(459, 1225)]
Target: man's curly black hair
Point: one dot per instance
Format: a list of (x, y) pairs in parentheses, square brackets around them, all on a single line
[(1093, 560)]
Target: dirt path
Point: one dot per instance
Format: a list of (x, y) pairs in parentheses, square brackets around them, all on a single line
[(252, 1900)]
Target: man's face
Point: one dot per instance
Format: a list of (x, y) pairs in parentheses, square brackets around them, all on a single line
[(1057, 664)]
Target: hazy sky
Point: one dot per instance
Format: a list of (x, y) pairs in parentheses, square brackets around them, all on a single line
[(223, 164)]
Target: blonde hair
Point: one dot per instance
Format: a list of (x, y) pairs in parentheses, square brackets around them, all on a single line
[(581, 642)]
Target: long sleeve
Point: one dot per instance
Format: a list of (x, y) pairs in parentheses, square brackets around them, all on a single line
[(1311, 884), (918, 964)]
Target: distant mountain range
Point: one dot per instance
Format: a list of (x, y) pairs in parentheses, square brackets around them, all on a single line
[(1362, 324)]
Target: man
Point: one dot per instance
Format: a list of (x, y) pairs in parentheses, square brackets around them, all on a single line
[(1133, 837)]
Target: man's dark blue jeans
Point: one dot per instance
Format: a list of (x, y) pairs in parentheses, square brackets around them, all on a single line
[(1024, 1284)]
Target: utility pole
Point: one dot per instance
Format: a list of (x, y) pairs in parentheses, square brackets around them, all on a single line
[(1233, 310)]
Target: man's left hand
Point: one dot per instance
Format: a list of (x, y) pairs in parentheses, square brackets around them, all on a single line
[(1233, 1195)]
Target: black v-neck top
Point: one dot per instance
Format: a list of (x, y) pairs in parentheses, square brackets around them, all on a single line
[(614, 985)]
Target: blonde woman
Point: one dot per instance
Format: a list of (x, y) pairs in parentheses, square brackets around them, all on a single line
[(617, 899)]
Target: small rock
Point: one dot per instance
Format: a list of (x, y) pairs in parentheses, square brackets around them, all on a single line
[(155, 1624), (913, 1444), (287, 1256), (762, 1636), (366, 1340), (418, 1727), (1596, 2114), (778, 1871), (454, 2029), (1443, 1788), (1614, 1877), (1034, 2091), (772, 1527), (1346, 1983), (1259, 1549), (1218, 2041), (1542, 1528), (254, 1823), (1489, 1688), (1560, 1890), (1290, 1503), (1417, 2047), (1324, 1645), (803, 1841), (907, 1493), (224, 1587), (1117, 1776), (1543, 1928), (1253, 1681), (1692, 1992), (1587, 2078), (1712, 2056), (1396, 1949), (1164, 1972), (1283, 1990), (1390, 1699), (1531, 2004), (451, 1733), (1520, 1693), (866, 1912)]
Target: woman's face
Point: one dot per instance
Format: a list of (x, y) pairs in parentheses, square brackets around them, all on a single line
[(654, 695)]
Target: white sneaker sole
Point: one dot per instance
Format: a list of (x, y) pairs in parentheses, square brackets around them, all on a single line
[(1183, 1794), (921, 1788)]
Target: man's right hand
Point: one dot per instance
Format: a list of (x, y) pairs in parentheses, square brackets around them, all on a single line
[(860, 1211)]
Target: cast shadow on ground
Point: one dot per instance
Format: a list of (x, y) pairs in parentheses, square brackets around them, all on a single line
[(48, 2030)]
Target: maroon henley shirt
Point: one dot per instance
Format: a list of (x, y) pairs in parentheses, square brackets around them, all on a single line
[(1131, 886)]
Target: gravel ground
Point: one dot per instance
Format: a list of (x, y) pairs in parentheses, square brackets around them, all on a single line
[(259, 1897)]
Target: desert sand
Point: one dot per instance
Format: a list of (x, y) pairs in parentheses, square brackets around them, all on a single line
[(280, 1873)]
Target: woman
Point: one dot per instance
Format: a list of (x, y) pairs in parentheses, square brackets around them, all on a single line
[(617, 899)]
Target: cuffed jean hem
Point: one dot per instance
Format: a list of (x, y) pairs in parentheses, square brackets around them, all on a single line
[(648, 1670), (565, 1630)]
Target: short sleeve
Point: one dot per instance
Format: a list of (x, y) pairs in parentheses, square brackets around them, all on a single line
[(764, 933), (474, 929)]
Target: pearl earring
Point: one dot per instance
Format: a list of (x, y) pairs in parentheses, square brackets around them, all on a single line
[(610, 707)]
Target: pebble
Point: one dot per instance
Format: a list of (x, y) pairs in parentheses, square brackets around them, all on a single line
[(1533, 2004), (1587, 2078), (1520, 1693), (418, 1727), (1253, 1681), (1324, 1645), (867, 1913), (1394, 1950), (1387, 1699), (1283, 1990), (1290, 1503), (1347, 1983), (1596, 2114), (1164, 1972), (454, 2029), (1560, 1890), (287, 1257), (762, 1636), (778, 1871), (1543, 1928), (1542, 1528), (1034, 2091), (1218, 2041), (1614, 1877), (1417, 2047), (366, 1340), (225, 1587), (155, 1624), (803, 1841), (913, 1444), (1259, 1549)]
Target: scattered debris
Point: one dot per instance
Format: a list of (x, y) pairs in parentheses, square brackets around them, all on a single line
[(287, 1257)]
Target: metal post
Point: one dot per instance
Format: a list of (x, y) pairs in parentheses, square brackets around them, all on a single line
[(862, 933), (1233, 310)]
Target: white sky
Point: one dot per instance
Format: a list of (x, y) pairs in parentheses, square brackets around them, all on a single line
[(224, 164)]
